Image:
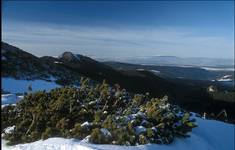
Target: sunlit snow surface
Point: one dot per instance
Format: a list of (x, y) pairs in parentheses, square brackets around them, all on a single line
[(210, 135), (217, 69), (20, 86), (10, 99)]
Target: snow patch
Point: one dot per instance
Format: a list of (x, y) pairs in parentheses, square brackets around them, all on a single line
[(155, 71), (105, 132), (4, 58), (225, 78), (86, 124), (10, 98), (20, 86), (140, 129), (9, 129), (57, 62), (217, 69), (86, 139)]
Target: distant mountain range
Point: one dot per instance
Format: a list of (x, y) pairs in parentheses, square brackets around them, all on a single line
[(179, 72), (189, 92), (176, 61)]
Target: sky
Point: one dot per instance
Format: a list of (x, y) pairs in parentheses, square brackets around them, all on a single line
[(108, 29)]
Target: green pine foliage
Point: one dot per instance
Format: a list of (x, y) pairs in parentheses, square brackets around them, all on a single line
[(101, 113)]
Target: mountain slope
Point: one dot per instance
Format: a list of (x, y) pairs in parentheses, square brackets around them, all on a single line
[(19, 64), (126, 78)]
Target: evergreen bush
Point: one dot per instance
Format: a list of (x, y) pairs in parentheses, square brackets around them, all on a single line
[(108, 114)]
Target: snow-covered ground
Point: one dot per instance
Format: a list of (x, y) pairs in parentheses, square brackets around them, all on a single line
[(210, 135), (20, 86), (217, 69), (226, 78), (155, 71), (10, 99)]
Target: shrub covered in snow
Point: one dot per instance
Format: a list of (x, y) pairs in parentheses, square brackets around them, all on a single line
[(101, 113)]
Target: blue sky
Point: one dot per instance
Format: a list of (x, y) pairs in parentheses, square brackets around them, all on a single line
[(121, 29)]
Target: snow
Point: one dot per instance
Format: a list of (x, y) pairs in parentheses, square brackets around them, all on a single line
[(105, 132), (155, 71), (167, 106), (105, 112), (58, 62), (49, 144), (133, 116), (86, 139), (9, 129), (210, 135), (92, 102), (141, 114), (154, 129), (140, 129), (225, 78), (144, 122), (217, 69), (211, 89), (10, 98), (86, 124), (20, 86), (4, 58), (4, 105)]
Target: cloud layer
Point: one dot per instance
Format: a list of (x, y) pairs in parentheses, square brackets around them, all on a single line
[(48, 39)]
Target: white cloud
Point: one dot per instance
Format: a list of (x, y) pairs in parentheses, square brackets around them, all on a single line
[(42, 39)]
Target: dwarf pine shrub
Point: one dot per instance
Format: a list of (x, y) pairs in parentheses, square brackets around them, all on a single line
[(103, 113)]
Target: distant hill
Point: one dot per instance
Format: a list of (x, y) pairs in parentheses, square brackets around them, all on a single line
[(176, 61), (179, 72)]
